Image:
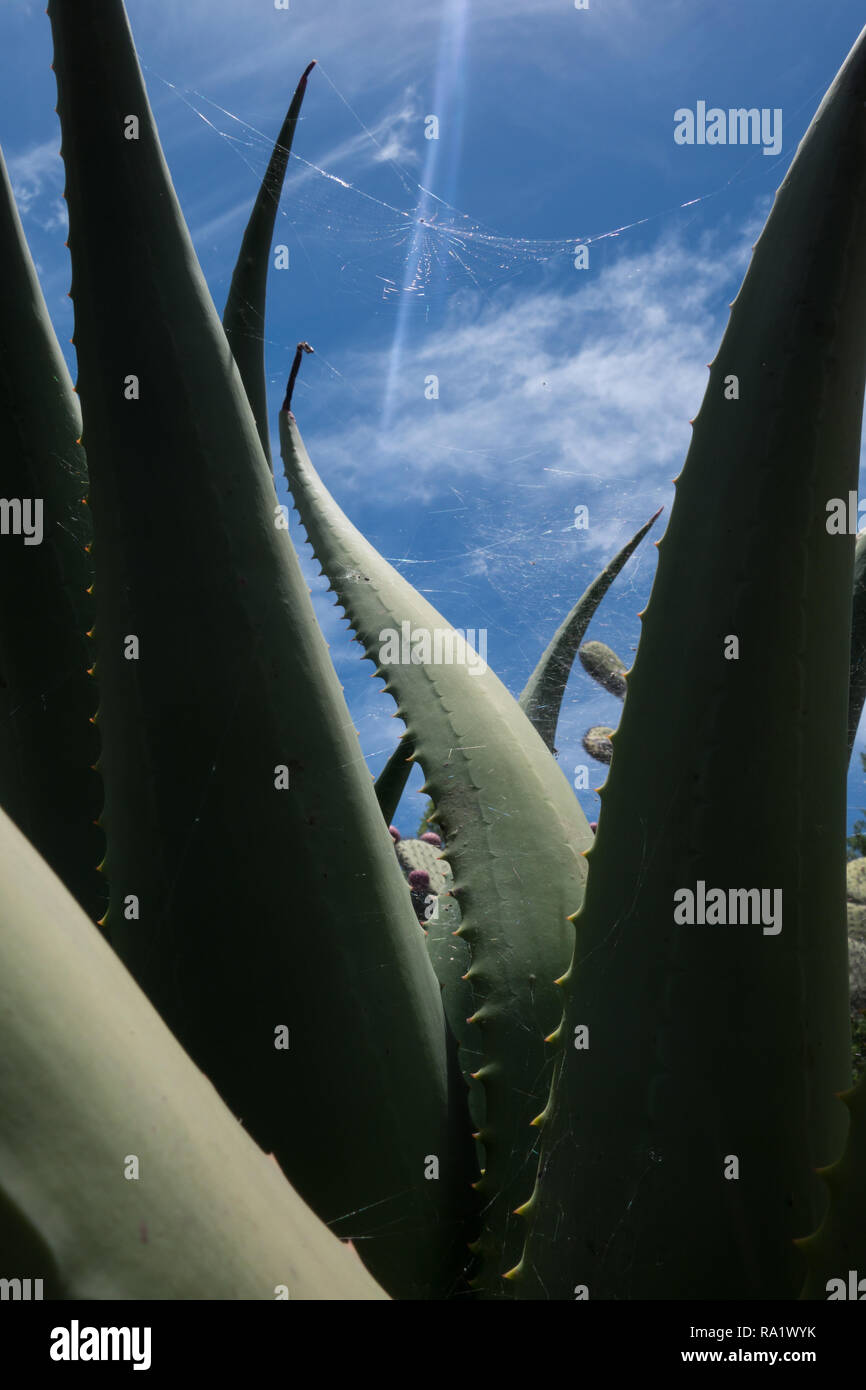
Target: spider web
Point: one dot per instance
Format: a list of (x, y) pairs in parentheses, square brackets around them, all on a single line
[(396, 240), (386, 238)]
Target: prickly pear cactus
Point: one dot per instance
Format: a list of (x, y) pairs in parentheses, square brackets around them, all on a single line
[(603, 664), (425, 855), (597, 742), (856, 875)]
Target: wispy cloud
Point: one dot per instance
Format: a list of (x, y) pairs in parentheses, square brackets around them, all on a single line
[(387, 139), (268, 39), (573, 388), (37, 182), (395, 133)]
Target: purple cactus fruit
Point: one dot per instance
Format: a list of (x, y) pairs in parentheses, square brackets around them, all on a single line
[(419, 889), (593, 825), (394, 833), (431, 838)]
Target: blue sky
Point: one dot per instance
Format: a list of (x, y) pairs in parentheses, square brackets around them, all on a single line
[(557, 387)]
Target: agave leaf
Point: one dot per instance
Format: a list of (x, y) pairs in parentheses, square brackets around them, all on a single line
[(93, 1083), (679, 1146), (244, 314), (515, 836), (838, 1248), (254, 886), (391, 782), (451, 959), (48, 744), (857, 690), (543, 692)]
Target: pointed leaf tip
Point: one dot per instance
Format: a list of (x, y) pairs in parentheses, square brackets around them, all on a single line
[(299, 352)]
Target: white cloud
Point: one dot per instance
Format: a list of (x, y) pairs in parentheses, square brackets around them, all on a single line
[(390, 141), (56, 217), (395, 133), (35, 174), (574, 389)]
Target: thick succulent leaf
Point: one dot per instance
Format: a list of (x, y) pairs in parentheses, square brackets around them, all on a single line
[(253, 882), (857, 680), (543, 692), (714, 1053), (244, 314), (837, 1250), (391, 782), (48, 744), (515, 834), (122, 1174), (451, 959)]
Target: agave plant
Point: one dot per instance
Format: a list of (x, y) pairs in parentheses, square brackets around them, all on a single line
[(505, 1101)]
